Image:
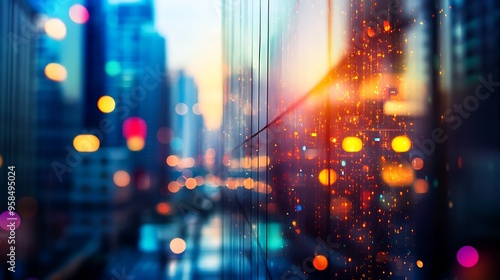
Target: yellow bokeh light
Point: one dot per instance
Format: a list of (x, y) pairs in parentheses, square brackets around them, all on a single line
[(190, 183), (401, 144), (248, 183), (55, 72), (420, 264), (135, 143), (55, 28), (121, 178), (1, 161), (397, 175), (178, 245), (106, 104), (352, 144), (172, 160), (86, 143), (327, 177)]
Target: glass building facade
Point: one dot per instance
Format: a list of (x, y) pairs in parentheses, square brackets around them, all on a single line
[(337, 132)]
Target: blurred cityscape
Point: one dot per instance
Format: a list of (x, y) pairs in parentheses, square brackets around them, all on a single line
[(218, 139)]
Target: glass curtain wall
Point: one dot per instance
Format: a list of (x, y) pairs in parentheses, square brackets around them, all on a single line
[(325, 102)]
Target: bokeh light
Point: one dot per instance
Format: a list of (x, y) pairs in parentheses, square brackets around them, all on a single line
[(5, 220), (320, 262), (55, 28), (55, 72), (177, 245), (113, 68), (352, 144), (163, 208), (106, 104), (181, 109), (172, 160), (173, 187), (134, 127), (78, 14), (341, 207), (401, 144), (417, 163), (420, 264), (467, 256), (121, 178), (190, 183), (164, 135), (135, 143), (197, 109), (199, 180), (327, 177), (370, 31), (86, 143), (248, 183), (387, 25), (186, 163), (420, 186), (397, 175)]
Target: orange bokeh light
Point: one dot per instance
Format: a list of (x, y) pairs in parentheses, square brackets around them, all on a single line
[(190, 183), (320, 262), (172, 160), (173, 187), (121, 178)]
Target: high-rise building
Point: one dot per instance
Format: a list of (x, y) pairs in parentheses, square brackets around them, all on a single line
[(126, 61), (187, 122)]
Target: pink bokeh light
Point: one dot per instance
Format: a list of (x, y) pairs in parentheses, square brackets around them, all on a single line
[(467, 256), (78, 14)]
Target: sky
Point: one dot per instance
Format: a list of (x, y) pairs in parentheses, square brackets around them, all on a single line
[(192, 29)]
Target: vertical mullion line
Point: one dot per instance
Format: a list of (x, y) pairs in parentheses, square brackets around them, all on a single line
[(267, 130), (224, 205), (258, 123), (241, 127), (328, 116), (250, 134)]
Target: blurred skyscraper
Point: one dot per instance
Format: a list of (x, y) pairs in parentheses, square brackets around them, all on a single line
[(126, 60), (187, 122), (17, 122)]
